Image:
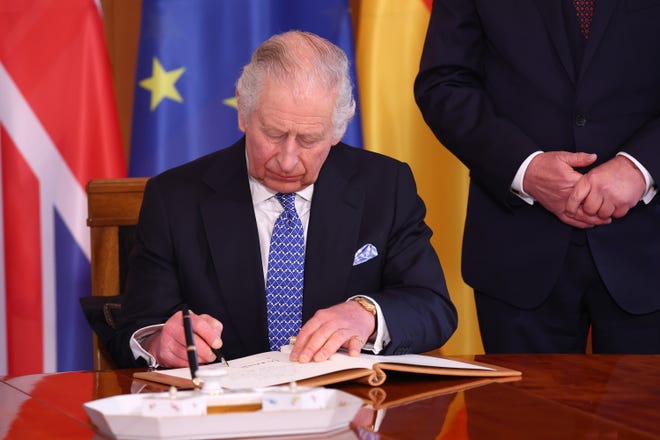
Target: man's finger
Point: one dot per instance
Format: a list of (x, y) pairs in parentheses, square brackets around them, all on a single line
[(577, 196), (355, 344)]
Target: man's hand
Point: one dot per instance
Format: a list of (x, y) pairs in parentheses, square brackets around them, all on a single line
[(168, 345), (551, 178), (346, 325), (607, 191)]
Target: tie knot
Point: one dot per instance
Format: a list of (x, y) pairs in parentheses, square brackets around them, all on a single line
[(287, 201)]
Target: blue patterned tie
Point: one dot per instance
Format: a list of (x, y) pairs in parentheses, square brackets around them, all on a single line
[(284, 281)]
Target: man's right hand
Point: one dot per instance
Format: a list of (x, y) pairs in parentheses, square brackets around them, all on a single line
[(550, 179), (168, 345)]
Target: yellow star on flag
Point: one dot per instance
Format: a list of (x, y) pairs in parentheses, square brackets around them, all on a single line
[(161, 84), (231, 102)]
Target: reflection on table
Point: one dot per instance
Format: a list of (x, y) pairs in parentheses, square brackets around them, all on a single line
[(558, 396)]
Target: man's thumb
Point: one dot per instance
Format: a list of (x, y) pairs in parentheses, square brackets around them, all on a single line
[(579, 160)]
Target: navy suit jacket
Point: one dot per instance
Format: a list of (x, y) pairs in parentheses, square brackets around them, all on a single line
[(499, 80), (197, 243)]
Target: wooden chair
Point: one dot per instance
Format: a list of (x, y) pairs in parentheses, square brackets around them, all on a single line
[(113, 207)]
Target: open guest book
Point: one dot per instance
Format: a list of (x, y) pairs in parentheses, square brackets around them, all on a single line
[(275, 368)]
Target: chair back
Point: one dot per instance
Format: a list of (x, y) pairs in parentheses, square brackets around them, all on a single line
[(113, 206)]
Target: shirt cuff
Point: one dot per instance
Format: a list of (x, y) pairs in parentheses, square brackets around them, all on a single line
[(136, 344), (517, 184), (651, 188), (382, 333)]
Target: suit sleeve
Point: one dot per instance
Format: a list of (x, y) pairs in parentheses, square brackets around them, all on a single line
[(644, 146), (152, 293), (451, 94), (414, 297)]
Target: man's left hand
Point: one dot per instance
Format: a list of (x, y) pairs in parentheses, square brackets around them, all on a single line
[(346, 325), (609, 190)]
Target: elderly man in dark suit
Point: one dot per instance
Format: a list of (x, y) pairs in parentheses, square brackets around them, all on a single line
[(365, 274), (554, 106)]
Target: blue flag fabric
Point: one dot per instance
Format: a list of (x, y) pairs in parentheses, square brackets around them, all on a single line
[(191, 53)]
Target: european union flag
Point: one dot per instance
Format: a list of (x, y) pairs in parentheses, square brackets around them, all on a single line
[(191, 53)]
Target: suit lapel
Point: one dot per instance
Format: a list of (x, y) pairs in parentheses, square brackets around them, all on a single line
[(602, 16), (332, 236), (552, 16), (231, 228)]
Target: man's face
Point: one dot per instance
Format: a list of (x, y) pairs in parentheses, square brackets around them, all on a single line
[(288, 138)]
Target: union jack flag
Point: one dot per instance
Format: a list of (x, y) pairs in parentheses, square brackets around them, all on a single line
[(58, 130)]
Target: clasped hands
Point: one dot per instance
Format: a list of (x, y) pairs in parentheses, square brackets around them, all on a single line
[(346, 325), (584, 200)]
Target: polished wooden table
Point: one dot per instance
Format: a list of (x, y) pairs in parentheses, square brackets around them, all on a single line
[(558, 397)]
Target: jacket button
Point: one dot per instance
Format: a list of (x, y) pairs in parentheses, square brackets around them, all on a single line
[(580, 120)]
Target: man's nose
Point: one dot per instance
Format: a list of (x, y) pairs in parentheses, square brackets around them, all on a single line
[(288, 155)]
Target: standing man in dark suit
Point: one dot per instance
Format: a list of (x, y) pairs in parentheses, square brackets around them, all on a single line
[(554, 106), (371, 277)]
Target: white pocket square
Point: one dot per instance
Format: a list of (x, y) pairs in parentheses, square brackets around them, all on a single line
[(365, 253)]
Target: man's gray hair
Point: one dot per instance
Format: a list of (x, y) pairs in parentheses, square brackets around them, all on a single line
[(301, 59)]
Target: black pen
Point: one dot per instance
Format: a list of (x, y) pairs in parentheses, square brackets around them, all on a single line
[(218, 354), (190, 346)]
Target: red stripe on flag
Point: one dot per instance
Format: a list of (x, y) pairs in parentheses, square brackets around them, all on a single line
[(428, 4), (22, 262), (55, 52)]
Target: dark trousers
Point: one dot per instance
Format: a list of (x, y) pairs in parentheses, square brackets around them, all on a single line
[(578, 304)]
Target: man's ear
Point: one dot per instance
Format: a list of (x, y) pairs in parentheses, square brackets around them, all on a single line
[(242, 123)]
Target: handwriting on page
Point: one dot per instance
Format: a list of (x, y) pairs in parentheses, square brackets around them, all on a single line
[(259, 373), (272, 368)]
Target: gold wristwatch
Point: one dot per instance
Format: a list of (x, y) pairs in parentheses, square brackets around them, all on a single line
[(366, 304)]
